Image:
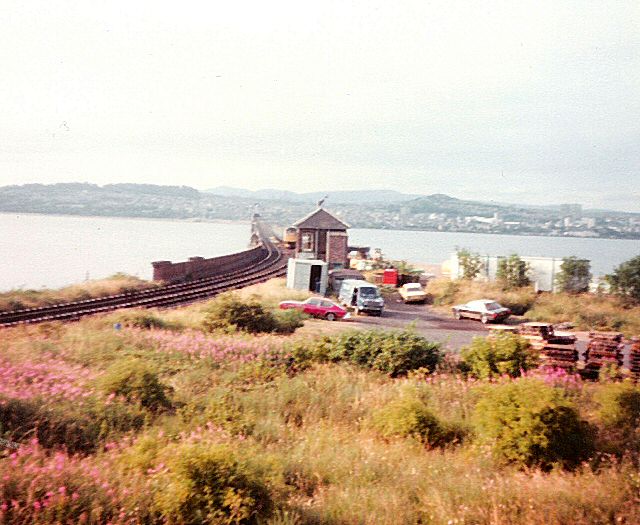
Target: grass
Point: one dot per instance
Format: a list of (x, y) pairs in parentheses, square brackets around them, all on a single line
[(116, 284), (309, 438), (587, 312)]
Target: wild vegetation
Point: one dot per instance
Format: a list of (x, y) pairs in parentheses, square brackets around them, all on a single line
[(116, 284), (151, 417)]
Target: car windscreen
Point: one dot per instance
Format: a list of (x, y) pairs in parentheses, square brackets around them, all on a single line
[(492, 306), (368, 292)]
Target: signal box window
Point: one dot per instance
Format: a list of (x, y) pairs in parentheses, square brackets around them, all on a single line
[(307, 242)]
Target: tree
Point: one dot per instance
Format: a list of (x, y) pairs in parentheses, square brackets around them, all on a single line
[(471, 264), (574, 276), (513, 272), (625, 280)]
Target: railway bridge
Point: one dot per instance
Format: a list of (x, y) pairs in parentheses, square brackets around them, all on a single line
[(186, 282)]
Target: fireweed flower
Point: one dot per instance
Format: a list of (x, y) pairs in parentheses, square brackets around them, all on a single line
[(49, 377), (220, 349)]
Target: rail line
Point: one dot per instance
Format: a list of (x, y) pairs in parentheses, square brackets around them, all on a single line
[(272, 264)]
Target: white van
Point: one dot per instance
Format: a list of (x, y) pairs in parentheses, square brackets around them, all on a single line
[(362, 296)]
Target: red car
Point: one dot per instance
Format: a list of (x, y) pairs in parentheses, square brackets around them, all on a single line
[(317, 307)]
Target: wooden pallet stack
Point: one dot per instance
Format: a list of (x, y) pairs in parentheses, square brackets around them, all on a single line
[(604, 348), (634, 359), (555, 350)]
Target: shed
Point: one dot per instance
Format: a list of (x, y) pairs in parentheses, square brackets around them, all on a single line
[(308, 274)]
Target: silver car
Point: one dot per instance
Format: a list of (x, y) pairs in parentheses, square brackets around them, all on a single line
[(486, 310)]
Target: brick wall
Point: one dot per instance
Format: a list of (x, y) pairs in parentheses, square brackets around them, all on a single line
[(200, 268), (337, 249)]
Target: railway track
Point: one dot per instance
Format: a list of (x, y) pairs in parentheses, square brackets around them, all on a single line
[(272, 264)]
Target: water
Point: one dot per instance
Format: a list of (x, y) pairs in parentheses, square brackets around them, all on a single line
[(53, 251), (435, 247)]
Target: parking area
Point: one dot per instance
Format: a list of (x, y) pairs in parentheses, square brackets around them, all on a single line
[(429, 323)]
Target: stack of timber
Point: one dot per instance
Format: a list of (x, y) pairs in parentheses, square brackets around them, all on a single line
[(635, 359), (555, 350), (605, 348), (502, 329)]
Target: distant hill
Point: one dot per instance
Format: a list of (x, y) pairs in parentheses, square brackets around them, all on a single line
[(384, 209), (336, 197)]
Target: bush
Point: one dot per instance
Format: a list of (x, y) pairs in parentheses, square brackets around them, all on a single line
[(392, 352), (619, 416), (76, 428), (499, 355), (531, 424), (512, 272), (207, 484), (288, 321), (140, 319), (136, 382), (409, 417), (574, 276), (227, 411), (230, 313), (471, 264), (625, 280), (447, 295)]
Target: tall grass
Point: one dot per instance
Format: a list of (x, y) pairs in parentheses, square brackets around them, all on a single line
[(116, 284), (307, 439), (587, 312)]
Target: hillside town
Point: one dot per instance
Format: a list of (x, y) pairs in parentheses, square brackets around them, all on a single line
[(430, 212)]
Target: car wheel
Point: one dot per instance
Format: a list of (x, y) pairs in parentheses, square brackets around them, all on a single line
[(331, 317), (457, 315), (484, 319)]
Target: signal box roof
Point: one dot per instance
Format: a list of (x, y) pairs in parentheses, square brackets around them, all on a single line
[(321, 219)]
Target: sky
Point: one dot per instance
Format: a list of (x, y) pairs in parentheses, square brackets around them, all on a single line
[(532, 102)]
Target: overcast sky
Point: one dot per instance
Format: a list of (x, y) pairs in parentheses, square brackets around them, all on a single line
[(509, 101)]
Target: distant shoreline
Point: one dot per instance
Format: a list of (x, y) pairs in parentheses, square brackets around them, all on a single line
[(168, 219), (276, 226)]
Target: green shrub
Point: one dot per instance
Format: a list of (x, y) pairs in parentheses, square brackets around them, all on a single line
[(207, 484), (471, 264), (410, 417), (77, 428), (498, 355), (513, 272), (226, 411), (448, 294), (531, 424), (140, 319), (136, 382), (392, 352), (288, 321), (625, 280), (574, 276), (518, 303), (618, 415), (229, 313)]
